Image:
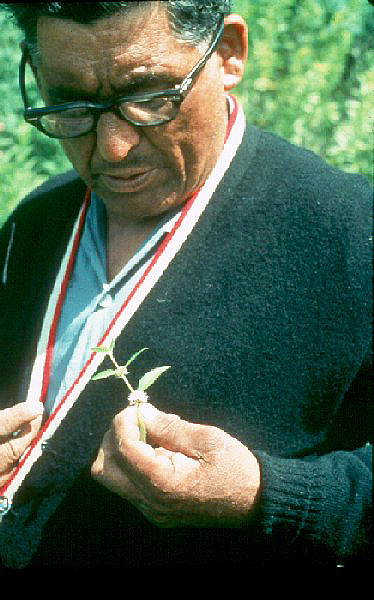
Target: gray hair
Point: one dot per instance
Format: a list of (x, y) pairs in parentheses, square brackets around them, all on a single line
[(191, 21)]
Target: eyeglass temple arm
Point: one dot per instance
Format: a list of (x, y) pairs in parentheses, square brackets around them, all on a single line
[(21, 74), (197, 68)]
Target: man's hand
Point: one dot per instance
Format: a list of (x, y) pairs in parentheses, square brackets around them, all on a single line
[(18, 427), (185, 474)]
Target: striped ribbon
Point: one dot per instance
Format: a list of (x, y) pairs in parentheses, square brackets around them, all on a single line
[(189, 216)]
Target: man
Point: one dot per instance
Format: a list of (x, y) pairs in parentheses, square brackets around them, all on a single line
[(237, 259)]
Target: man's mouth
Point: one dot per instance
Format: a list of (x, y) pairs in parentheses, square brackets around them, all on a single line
[(126, 181)]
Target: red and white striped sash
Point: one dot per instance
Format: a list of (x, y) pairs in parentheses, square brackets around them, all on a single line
[(189, 216)]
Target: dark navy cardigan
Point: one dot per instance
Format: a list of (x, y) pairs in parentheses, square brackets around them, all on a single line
[(265, 317)]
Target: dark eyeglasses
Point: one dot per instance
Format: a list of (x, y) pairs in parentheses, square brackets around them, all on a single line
[(75, 119)]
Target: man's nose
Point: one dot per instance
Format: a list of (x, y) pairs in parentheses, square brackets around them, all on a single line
[(115, 137)]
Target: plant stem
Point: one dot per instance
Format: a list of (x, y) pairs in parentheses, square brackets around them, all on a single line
[(141, 425), (120, 372)]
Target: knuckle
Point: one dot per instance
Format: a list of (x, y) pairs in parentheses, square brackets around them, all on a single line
[(6, 421), (160, 489), (9, 453), (5, 476), (209, 439), (13, 418), (214, 435), (171, 425)]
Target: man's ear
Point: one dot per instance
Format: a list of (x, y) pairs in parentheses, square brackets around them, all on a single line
[(233, 50)]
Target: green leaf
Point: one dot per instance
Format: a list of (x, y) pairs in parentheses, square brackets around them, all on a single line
[(104, 374), (134, 356), (148, 378)]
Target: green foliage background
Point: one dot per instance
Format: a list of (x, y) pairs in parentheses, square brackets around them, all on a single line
[(309, 78)]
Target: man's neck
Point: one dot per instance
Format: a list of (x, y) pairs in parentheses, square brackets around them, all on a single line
[(124, 236)]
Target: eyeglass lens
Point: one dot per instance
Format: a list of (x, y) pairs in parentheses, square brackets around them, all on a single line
[(78, 121)]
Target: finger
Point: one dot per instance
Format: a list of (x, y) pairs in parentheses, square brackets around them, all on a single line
[(158, 467), (6, 475), (105, 453), (11, 419), (12, 449), (126, 423), (106, 470), (166, 430), (147, 477), (173, 433)]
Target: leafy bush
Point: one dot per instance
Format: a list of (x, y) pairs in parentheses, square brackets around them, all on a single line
[(27, 157), (309, 78)]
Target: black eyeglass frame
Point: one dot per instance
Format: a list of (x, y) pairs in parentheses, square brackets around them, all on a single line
[(176, 95)]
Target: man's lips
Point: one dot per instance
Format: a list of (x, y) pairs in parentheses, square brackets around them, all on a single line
[(127, 180)]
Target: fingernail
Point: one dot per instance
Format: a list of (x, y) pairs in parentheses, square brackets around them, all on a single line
[(148, 412), (35, 407)]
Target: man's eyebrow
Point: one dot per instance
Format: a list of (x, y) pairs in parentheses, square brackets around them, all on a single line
[(146, 80), (65, 94), (130, 86)]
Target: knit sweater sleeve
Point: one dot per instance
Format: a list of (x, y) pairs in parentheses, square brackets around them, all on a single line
[(318, 506)]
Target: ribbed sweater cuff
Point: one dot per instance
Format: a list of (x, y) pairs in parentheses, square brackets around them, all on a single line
[(296, 506), (291, 493)]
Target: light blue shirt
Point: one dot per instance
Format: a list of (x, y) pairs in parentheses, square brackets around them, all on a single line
[(91, 302)]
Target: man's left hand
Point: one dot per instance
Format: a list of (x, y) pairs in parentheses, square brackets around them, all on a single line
[(186, 474)]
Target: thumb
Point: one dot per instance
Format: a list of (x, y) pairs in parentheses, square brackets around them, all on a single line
[(171, 432)]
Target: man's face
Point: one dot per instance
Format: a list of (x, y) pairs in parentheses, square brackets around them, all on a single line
[(138, 172)]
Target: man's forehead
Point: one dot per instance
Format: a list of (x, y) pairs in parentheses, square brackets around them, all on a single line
[(110, 53), (138, 33)]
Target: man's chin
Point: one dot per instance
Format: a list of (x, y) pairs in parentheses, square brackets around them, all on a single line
[(136, 205)]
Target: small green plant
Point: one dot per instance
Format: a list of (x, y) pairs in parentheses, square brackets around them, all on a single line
[(136, 395)]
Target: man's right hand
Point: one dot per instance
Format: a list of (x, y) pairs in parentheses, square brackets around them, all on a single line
[(18, 427)]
